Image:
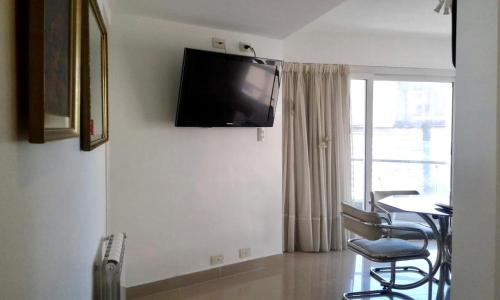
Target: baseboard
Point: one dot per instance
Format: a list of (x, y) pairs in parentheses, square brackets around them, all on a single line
[(202, 276)]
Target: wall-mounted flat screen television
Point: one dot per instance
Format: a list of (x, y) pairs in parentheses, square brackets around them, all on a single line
[(225, 90)]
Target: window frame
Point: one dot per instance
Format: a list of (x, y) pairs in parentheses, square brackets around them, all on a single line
[(372, 74)]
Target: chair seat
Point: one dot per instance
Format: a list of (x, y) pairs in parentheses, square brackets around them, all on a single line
[(411, 235), (387, 248)]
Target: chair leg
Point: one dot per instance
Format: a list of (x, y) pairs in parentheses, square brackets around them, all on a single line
[(364, 294), (378, 293), (386, 290), (393, 274), (375, 272)]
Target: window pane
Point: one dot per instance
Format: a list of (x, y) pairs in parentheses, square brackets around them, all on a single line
[(358, 102), (412, 136)]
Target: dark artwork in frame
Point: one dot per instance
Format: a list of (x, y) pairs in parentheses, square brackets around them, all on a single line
[(53, 69), (57, 56)]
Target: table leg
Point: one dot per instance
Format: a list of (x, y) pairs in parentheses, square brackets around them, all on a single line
[(444, 226), (441, 260), (440, 243)]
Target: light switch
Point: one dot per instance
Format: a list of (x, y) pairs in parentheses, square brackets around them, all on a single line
[(260, 134)]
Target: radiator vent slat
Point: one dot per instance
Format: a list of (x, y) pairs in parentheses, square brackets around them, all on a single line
[(111, 267)]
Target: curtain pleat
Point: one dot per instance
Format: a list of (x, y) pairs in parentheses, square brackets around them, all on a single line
[(316, 155)]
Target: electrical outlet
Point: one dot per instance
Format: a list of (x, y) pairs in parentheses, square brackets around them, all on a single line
[(245, 252), (243, 46), (216, 259), (218, 43)]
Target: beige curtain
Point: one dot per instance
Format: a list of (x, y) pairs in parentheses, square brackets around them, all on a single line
[(316, 155)]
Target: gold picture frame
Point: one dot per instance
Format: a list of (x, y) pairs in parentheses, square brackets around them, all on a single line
[(54, 30), (94, 118)]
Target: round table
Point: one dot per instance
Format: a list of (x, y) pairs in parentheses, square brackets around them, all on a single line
[(425, 207)]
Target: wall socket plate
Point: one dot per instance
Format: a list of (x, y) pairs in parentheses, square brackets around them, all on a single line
[(218, 43), (216, 259), (242, 46), (245, 252)]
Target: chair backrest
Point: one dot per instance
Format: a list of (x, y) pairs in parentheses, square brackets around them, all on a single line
[(375, 196), (361, 222)]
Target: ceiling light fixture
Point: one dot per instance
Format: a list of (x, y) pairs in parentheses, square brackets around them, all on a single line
[(446, 4)]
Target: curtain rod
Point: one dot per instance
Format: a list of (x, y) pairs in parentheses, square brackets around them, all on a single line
[(371, 66)]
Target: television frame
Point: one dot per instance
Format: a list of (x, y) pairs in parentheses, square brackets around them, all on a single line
[(258, 60)]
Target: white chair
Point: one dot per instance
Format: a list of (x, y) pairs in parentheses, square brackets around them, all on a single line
[(375, 196), (375, 244)]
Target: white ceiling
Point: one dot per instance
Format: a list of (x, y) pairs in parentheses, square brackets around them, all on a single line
[(384, 16), (272, 18), (280, 18)]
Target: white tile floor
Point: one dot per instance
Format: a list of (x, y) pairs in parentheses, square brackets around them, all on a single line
[(303, 276)]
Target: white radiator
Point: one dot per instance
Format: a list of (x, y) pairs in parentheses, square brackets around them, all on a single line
[(110, 269)]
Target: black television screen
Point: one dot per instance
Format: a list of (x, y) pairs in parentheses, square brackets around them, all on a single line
[(224, 90)]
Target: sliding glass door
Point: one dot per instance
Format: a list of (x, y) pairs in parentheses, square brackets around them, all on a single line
[(401, 136), (358, 134)]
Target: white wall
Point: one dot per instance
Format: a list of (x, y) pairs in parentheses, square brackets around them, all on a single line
[(369, 49), (52, 200), (183, 194), (476, 219)]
